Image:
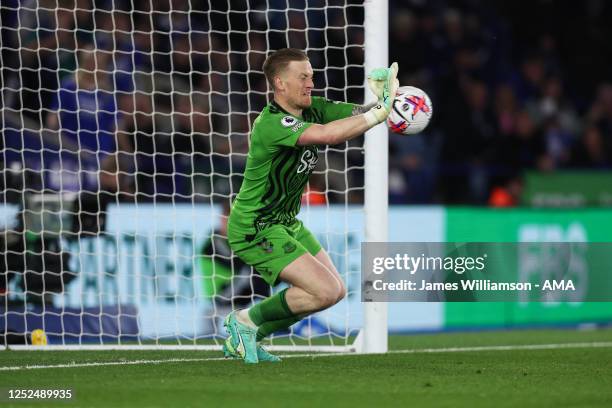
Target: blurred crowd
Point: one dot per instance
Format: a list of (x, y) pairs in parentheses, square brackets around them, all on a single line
[(154, 100), (142, 100), (515, 88)]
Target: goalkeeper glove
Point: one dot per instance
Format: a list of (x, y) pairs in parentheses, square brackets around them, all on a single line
[(383, 83)]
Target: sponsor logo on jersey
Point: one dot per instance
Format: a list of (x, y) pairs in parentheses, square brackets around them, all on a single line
[(288, 121), (308, 161), (297, 127)]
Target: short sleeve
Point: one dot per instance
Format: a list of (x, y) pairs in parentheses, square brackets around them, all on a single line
[(281, 130)]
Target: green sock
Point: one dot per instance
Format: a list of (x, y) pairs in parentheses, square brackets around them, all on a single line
[(271, 309), (268, 328)]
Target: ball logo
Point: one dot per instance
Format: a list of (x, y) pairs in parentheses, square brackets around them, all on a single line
[(288, 121), (308, 161), (419, 104), (398, 127)]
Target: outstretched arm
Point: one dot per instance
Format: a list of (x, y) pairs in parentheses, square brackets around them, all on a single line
[(361, 109), (365, 117), (342, 130)]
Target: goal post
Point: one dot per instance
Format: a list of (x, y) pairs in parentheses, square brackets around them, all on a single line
[(375, 330), (125, 135)]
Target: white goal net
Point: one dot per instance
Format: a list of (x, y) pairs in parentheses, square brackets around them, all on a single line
[(124, 139)]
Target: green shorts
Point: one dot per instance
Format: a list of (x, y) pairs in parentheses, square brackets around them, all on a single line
[(272, 249)]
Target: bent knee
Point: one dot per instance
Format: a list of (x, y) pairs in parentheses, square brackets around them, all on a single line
[(330, 296), (341, 292), (325, 299)]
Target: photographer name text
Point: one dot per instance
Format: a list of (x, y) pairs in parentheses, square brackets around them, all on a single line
[(473, 285)]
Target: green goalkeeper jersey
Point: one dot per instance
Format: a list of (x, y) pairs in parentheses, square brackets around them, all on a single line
[(277, 169)]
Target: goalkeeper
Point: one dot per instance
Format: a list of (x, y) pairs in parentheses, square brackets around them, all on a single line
[(262, 228)]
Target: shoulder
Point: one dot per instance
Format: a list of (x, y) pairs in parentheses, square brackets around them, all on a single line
[(321, 102), (323, 110), (316, 111), (272, 119), (274, 128), (317, 103)]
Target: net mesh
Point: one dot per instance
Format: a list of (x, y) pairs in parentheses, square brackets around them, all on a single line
[(125, 136)]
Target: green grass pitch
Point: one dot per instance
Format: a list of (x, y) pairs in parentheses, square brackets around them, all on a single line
[(436, 371)]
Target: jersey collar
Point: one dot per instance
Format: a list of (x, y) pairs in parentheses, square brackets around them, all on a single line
[(277, 106), (280, 108)]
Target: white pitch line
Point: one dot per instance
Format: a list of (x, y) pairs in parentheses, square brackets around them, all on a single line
[(110, 363), (552, 346)]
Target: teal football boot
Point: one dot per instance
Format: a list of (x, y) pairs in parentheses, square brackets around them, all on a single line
[(229, 351), (242, 339)]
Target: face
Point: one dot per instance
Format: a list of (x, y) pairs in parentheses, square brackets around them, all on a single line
[(296, 84)]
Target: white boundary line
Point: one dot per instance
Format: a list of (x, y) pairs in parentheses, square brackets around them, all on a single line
[(202, 347), (552, 346)]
